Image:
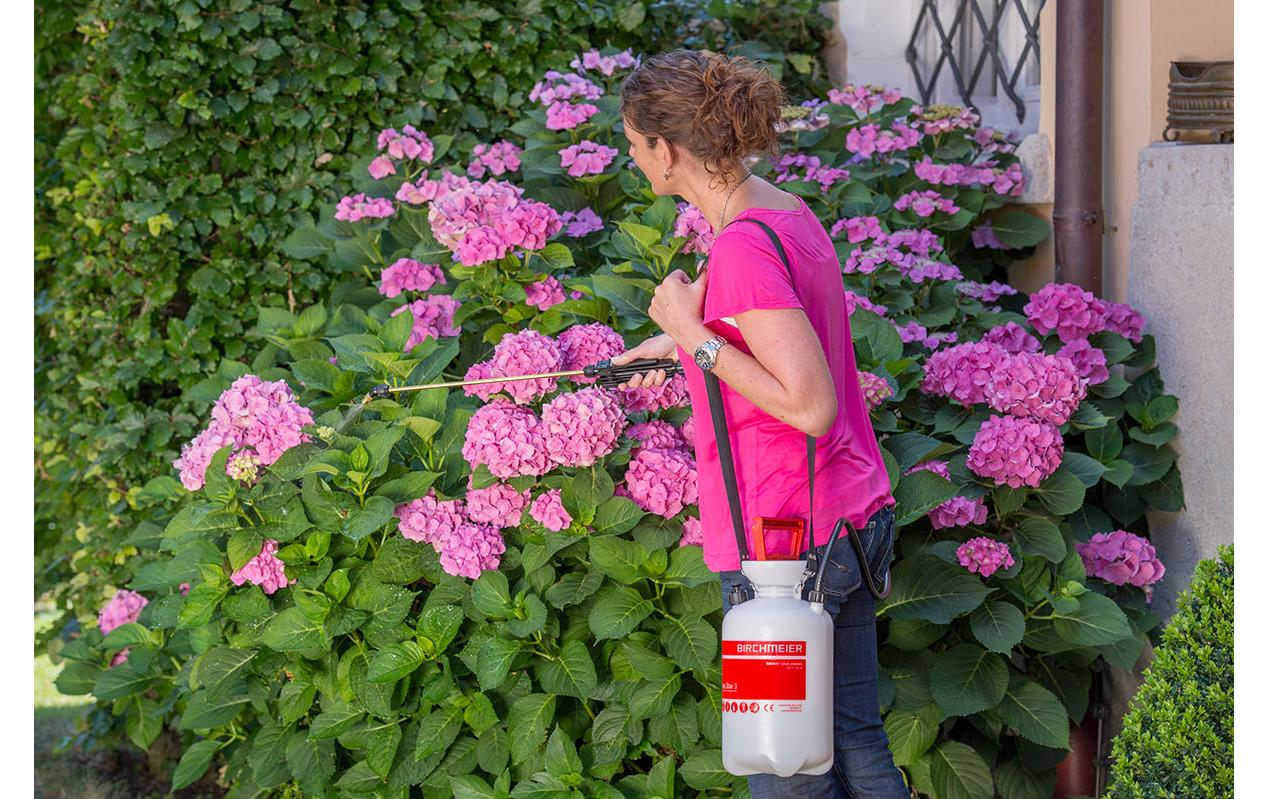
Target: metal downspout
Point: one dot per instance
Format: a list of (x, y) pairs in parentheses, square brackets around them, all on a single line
[(1078, 215)]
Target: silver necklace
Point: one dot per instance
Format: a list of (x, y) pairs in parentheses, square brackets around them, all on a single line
[(727, 199)]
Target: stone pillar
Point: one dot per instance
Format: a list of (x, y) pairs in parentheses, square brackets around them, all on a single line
[(1181, 276)]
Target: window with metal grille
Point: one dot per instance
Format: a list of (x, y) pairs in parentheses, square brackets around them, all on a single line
[(980, 53)]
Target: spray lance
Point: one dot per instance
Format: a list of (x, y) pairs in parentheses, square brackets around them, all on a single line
[(607, 375)]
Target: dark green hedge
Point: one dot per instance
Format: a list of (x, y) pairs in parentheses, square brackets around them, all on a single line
[(1178, 737), (177, 143)]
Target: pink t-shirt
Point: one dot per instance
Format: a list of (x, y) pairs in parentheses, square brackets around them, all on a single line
[(770, 456)]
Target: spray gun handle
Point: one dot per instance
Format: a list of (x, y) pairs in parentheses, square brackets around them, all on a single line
[(610, 376)]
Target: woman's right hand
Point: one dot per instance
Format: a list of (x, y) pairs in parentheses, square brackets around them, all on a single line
[(657, 347)]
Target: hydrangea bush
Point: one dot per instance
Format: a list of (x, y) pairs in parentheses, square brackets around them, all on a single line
[(498, 590)]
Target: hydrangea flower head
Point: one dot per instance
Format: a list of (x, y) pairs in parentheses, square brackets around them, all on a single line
[(1012, 337), (582, 426), (410, 143), (406, 274), (1067, 309), (661, 481), (987, 292), (580, 223), (692, 225), (499, 504), (433, 318), (123, 608), (428, 519), (925, 203), (656, 434), (876, 389), (587, 158), (984, 237), (1089, 361), (566, 116), (498, 158), (588, 344), (670, 394), (692, 536), (544, 293), (356, 207), (264, 570), (1036, 386), (963, 372), (854, 301), (1013, 451), (1121, 558), (1125, 320), (560, 86), (958, 512), (507, 438), (470, 549), (983, 555), (526, 352), (857, 228), (482, 221), (548, 510)]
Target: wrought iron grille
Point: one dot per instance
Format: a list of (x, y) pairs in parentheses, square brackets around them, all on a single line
[(972, 42)]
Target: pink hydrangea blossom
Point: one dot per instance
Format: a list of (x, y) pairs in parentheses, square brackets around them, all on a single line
[(1009, 181), (499, 504), (858, 228), (1012, 338), (1036, 386), (264, 570), (876, 389), (656, 434), (470, 549), (799, 166), (938, 119), (260, 417), (606, 64), (482, 221), (498, 158), (986, 292), (688, 431), (670, 394), (869, 139), (580, 223), (661, 481), (963, 372), (923, 269), (588, 344), (381, 167), (559, 86), (692, 536), (1067, 309), (1013, 451), (582, 426), (507, 438), (1089, 361), (123, 608), (984, 556), (958, 512), (428, 518), (692, 225), (410, 143), (587, 158), (433, 318), (925, 203), (356, 207), (548, 510), (984, 237), (544, 293), (854, 301), (1123, 319), (954, 174), (1121, 558), (406, 274), (864, 99), (527, 352), (481, 371), (566, 116)]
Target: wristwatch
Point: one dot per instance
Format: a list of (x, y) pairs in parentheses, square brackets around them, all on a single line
[(706, 355)]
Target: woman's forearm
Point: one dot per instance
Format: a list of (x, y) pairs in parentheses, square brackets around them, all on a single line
[(746, 375)]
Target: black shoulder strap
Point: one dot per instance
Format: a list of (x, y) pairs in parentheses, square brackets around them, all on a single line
[(723, 437)]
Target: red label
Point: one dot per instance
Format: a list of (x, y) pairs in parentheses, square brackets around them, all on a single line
[(764, 678), (770, 648)]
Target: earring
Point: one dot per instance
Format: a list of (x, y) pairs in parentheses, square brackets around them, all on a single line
[(666, 174)]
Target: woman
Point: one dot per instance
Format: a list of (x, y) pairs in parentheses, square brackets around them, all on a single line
[(786, 368)]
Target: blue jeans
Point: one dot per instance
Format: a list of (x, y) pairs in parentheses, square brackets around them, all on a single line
[(863, 767)]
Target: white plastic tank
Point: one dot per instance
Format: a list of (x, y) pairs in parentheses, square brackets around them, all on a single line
[(777, 677)]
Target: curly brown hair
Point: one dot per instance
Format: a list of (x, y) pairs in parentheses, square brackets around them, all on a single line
[(720, 108)]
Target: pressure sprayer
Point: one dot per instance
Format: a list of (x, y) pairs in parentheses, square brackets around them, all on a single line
[(777, 648)]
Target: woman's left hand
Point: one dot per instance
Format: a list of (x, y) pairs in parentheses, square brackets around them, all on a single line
[(678, 304)]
